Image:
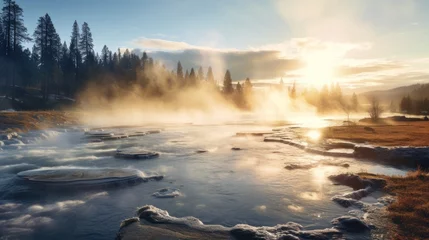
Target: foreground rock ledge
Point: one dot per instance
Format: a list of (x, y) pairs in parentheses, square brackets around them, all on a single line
[(154, 223)]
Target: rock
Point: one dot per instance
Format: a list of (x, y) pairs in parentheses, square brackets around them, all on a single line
[(297, 166), (137, 134), (332, 144), (236, 149), (350, 224), (365, 152), (347, 202), (359, 194), (167, 193), (153, 131), (169, 227), (288, 237), (253, 134), (350, 180), (9, 136), (128, 221), (136, 154), (369, 129), (13, 141), (71, 176), (201, 151)]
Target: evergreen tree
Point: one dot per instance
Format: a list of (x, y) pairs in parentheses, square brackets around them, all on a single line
[(144, 60), (7, 18), (47, 43), (355, 103), (19, 31), (227, 83), (210, 77), (105, 56), (247, 86), (292, 91), (192, 81), (74, 45), (238, 88), (15, 35), (86, 44), (200, 74), (2, 41), (179, 72)]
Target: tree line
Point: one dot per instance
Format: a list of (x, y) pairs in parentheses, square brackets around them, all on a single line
[(414, 106), (61, 68)]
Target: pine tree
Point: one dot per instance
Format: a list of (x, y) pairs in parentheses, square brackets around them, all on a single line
[(47, 43), (19, 31), (2, 41), (105, 56), (200, 74), (210, 77), (179, 72), (74, 45), (86, 44), (292, 91), (238, 88), (7, 16), (247, 87), (192, 78), (15, 35), (227, 83), (355, 103)]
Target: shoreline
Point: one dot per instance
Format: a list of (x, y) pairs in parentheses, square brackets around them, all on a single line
[(24, 121)]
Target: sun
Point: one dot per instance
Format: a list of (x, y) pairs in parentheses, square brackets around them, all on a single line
[(319, 68)]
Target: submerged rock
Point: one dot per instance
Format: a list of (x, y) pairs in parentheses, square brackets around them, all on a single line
[(350, 224), (316, 164), (356, 182), (167, 193), (135, 154), (347, 202), (72, 176), (201, 151), (158, 224), (9, 136), (252, 134), (405, 156)]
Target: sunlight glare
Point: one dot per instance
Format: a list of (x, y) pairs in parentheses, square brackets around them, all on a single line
[(319, 68), (314, 135)]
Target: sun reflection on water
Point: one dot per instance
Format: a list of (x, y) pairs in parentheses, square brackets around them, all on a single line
[(314, 135)]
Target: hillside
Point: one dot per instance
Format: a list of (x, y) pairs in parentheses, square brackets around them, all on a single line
[(416, 91)]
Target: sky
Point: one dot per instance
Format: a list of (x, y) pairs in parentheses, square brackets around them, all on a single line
[(361, 44)]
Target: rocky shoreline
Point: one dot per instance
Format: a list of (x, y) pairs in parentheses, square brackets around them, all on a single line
[(399, 156)]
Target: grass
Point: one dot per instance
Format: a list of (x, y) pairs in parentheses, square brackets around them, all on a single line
[(32, 120), (410, 212), (400, 134)]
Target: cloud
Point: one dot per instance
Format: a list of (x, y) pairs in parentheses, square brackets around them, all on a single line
[(168, 45), (242, 64), (286, 60), (344, 71), (263, 62)]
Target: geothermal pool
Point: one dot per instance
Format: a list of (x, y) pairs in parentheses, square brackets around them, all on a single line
[(202, 177)]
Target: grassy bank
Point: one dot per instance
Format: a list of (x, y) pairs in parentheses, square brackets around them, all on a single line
[(410, 212), (32, 120), (395, 134)]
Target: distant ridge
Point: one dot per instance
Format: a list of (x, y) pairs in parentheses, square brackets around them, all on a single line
[(416, 91)]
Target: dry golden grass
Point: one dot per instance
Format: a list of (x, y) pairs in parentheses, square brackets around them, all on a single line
[(400, 134), (31, 120), (410, 212)]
